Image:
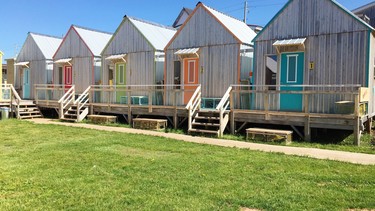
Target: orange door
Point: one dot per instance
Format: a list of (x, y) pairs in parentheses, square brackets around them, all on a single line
[(191, 77)]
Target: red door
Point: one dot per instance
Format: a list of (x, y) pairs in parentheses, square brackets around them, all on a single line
[(191, 77), (68, 77)]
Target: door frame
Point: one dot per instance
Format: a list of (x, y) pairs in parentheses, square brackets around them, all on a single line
[(66, 85), (299, 71), (185, 63)]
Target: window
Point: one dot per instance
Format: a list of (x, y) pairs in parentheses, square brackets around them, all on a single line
[(121, 74), (191, 71), (271, 71), (60, 75), (292, 68)]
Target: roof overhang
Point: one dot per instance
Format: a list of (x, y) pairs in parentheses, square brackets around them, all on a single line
[(117, 58), (25, 64), (297, 44), (64, 61), (187, 53)]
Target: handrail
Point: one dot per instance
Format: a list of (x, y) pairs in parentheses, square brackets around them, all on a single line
[(190, 103), (83, 95), (224, 99), (67, 94)]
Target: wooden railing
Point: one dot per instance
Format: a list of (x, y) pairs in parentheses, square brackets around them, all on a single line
[(66, 100), (222, 107), (49, 94), (193, 105), (81, 102), (10, 95)]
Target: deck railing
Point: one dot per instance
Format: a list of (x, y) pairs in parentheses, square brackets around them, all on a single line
[(319, 99), (10, 95), (49, 94), (222, 107), (66, 100)]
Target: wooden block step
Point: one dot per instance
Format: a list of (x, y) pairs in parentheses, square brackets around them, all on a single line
[(287, 134), (69, 120), (31, 116), (150, 124), (102, 118), (204, 131), (29, 112)]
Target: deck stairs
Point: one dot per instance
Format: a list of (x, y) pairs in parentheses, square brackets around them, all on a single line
[(27, 109), (208, 122), (77, 111)]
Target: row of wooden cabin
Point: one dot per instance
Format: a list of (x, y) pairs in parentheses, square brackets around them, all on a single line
[(311, 55)]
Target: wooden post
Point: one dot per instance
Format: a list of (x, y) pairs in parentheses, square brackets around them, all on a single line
[(150, 100), (266, 105), (61, 111), (129, 109), (357, 131), (307, 117), (231, 114)]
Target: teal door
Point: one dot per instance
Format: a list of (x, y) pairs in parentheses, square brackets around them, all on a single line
[(291, 75), (26, 83)]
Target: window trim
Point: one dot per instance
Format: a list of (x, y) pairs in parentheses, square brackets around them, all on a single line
[(296, 68)]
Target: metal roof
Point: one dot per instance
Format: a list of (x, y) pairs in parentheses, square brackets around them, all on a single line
[(187, 51), (158, 35), (298, 41), (47, 44), (364, 7), (238, 28), (95, 40)]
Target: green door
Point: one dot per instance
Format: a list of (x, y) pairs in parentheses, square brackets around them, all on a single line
[(291, 75), (121, 96)]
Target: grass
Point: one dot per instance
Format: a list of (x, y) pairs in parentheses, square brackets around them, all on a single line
[(49, 167)]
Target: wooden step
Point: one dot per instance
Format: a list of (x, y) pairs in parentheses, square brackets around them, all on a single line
[(68, 119), (216, 132), (206, 124), (31, 117), (29, 112), (207, 117)]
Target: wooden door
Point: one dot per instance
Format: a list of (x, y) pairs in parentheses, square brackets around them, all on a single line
[(68, 78), (292, 65), (121, 96), (26, 83), (191, 77)]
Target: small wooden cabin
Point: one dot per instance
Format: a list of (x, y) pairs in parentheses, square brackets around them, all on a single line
[(77, 60), (134, 55), (366, 13), (211, 49), (314, 43), (182, 16), (34, 63)]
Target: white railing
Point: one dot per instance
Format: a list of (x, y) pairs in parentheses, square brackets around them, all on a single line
[(66, 100), (193, 105), (10, 95), (222, 107), (81, 102)]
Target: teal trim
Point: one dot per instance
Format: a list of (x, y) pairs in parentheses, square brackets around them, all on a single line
[(368, 58), (274, 17)]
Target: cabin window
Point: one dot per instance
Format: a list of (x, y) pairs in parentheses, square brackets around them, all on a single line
[(191, 71), (271, 71), (60, 75), (177, 73), (292, 68), (121, 74)]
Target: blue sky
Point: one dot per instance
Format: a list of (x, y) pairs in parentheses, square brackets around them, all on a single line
[(54, 17)]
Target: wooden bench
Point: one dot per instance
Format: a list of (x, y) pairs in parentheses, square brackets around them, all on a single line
[(286, 134), (149, 124), (102, 119)]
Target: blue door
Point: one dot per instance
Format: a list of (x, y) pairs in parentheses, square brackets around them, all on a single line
[(26, 83), (291, 75)]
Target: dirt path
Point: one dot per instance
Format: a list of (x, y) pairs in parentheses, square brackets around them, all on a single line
[(357, 158)]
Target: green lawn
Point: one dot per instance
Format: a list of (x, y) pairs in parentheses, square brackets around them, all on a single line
[(48, 167)]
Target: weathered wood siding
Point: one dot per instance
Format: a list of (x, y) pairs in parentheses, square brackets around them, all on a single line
[(336, 43), (30, 52), (140, 59), (218, 56), (82, 61)]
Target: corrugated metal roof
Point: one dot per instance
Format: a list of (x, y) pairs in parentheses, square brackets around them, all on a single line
[(298, 41), (47, 44), (158, 35), (187, 51), (239, 29), (95, 40)]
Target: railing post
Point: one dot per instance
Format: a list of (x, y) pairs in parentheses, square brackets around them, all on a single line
[(266, 104), (150, 100), (231, 104), (307, 128), (61, 111), (357, 131), (189, 119)]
